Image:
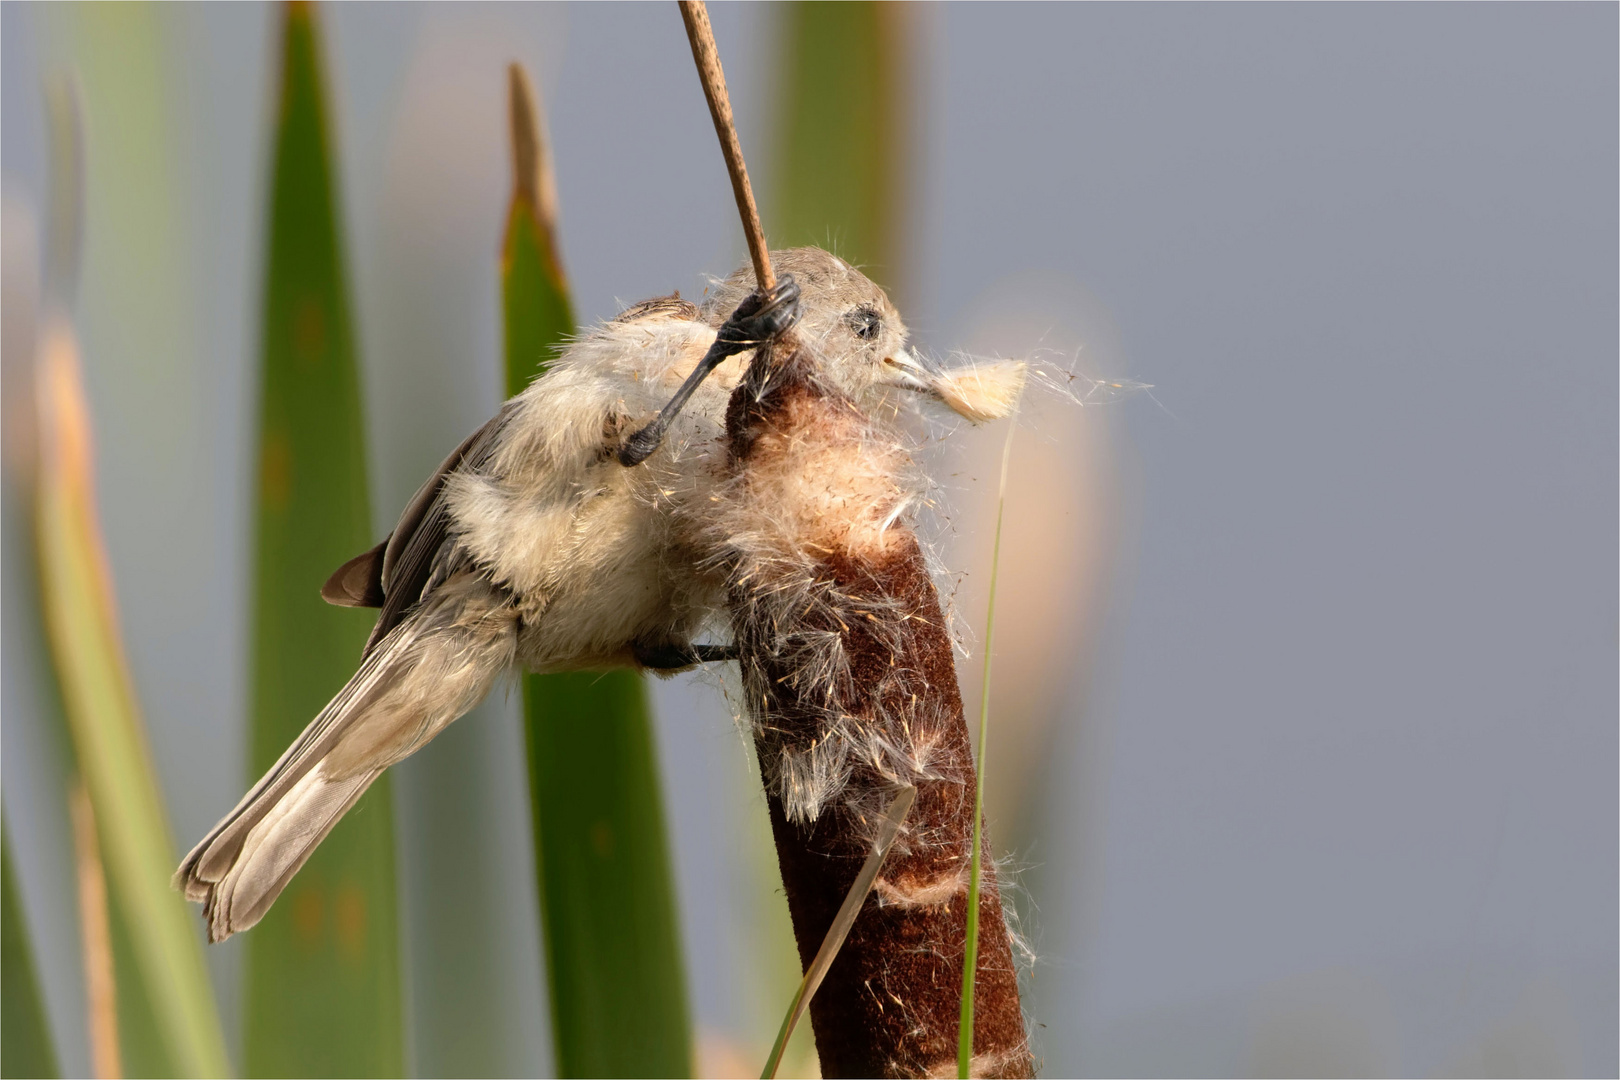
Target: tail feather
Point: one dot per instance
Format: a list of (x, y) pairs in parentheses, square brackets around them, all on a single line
[(424, 674), (277, 847), (212, 858)]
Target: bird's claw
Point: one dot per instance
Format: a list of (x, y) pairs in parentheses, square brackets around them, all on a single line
[(758, 318), (763, 315)]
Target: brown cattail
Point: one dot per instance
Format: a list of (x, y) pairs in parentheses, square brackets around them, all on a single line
[(851, 686)]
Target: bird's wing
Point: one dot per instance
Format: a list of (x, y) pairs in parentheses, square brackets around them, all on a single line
[(393, 575), (665, 307)]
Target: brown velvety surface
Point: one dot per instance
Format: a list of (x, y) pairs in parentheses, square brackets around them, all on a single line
[(891, 1002)]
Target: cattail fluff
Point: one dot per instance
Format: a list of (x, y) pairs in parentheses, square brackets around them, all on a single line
[(983, 391)]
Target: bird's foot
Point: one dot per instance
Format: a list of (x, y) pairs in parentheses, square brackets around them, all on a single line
[(763, 315), (678, 657)]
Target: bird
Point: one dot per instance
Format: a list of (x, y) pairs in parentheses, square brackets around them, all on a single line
[(549, 540)]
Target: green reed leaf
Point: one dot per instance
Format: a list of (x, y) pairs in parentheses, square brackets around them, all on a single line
[(323, 968), (613, 952)]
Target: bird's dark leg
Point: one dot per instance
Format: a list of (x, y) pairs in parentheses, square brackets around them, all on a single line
[(757, 319), (675, 657)]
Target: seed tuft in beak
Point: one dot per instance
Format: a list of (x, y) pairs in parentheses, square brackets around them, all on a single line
[(982, 392)]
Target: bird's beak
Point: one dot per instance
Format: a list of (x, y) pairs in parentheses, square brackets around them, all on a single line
[(911, 372)]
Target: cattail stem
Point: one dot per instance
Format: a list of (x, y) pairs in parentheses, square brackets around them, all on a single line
[(890, 1002)]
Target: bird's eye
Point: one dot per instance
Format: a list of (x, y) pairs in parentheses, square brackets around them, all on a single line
[(865, 322)]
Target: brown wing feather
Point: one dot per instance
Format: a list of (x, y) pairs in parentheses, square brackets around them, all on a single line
[(408, 557), (358, 582), (671, 306), (393, 574)]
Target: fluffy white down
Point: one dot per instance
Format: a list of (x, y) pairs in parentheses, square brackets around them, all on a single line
[(584, 543), (829, 478)]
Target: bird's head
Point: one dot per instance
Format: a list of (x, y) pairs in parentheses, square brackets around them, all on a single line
[(854, 330)]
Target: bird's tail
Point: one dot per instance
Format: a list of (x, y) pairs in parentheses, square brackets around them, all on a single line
[(424, 674), (275, 849)]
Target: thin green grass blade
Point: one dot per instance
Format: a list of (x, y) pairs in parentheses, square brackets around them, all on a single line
[(108, 736), (613, 955), (323, 968), (26, 1048), (839, 163), (970, 958)]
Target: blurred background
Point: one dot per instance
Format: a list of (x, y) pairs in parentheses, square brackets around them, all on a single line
[(1303, 730)]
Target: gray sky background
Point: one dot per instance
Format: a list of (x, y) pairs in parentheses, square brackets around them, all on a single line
[(1335, 783)]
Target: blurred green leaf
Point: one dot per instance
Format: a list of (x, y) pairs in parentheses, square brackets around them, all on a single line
[(108, 737), (841, 132), (134, 1030), (323, 969), (838, 173), (617, 986), (26, 1049), (618, 990), (141, 1047)]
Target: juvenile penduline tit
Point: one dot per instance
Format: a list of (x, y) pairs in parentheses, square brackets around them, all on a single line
[(537, 545)]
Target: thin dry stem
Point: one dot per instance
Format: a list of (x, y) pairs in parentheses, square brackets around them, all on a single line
[(853, 901), (707, 56)]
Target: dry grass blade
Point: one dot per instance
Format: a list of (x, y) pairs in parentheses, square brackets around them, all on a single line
[(101, 989), (104, 719), (707, 56), (854, 900), (124, 845)]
